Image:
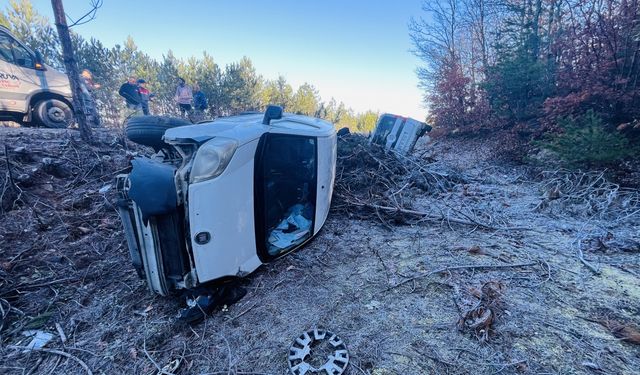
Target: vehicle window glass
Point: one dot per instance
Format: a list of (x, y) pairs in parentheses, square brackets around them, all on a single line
[(384, 128), (286, 175), (5, 48), (23, 57)]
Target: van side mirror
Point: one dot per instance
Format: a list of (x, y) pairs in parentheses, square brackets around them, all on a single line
[(273, 112), (39, 62)]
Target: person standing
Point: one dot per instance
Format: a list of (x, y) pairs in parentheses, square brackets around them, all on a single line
[(129, 91), (145, 96), (87, 86), (199, 103), (183, 97)]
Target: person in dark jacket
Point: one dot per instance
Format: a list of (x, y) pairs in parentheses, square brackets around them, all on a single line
[(199, 104), (199, 100), (129, 91)]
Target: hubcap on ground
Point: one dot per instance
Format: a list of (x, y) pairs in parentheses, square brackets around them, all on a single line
[(318, 351)]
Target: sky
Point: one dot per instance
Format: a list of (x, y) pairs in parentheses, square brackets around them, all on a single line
[(356, 51)]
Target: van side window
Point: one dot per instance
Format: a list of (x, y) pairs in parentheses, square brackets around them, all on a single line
[(5, 48), (23, 57)]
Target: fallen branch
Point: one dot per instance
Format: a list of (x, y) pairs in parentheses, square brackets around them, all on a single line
[(590, 266), (452, 268), (144, 348), (427, 216), (244, 312), (54, 351), (31, 286)]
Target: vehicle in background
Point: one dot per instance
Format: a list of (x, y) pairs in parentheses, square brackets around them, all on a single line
[(398, 133), (223, 197), (31, 92)]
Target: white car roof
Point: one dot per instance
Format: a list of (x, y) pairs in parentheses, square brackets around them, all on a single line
[(247, 127)]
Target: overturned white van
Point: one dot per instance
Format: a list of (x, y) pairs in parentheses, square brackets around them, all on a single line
[(398, 133), (223, 197)]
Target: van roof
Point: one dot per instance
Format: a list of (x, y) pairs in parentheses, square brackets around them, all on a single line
[(245, 127)]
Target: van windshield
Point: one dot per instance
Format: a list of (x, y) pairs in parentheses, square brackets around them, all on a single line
[(5, 48), (285, 188), (14, 53)]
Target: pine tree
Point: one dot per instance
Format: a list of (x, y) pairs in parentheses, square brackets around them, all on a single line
[(306, 100)]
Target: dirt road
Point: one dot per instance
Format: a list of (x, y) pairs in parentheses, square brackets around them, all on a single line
[(408, 294)]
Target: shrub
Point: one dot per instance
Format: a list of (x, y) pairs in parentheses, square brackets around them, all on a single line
[(586, 141)]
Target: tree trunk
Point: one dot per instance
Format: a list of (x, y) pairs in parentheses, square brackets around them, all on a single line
[(71, 68)]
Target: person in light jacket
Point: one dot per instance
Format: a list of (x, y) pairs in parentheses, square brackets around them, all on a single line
[(183, 97)]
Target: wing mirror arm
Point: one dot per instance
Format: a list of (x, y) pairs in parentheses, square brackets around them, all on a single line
[(39, 62), (273, 112)]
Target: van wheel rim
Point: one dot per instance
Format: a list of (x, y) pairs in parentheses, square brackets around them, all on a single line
[(318, 351), (56, 114)]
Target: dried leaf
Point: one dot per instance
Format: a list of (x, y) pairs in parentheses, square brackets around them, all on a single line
[(475, 292), (483, 319), (522, 367), (476, 250), (170, 367), (625, 332)]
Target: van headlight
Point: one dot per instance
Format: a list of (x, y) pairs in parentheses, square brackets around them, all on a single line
[(212, 158)]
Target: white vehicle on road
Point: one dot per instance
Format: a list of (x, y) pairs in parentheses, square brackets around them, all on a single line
[(228, 195), (31, 91)]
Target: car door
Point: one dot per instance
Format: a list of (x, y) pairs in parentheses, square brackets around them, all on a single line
[(285, 193)]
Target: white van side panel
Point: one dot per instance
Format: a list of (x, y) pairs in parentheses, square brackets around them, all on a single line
[(12, 88), (225, 209)]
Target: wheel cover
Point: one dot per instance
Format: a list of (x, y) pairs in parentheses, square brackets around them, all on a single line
[(56, 114), (318, 351)]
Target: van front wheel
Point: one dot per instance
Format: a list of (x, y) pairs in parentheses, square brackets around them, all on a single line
[(53, 113)]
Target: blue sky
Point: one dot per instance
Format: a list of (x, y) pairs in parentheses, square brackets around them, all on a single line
[(356, 51)]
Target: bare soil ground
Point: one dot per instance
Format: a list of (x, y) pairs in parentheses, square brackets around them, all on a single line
[(448, 262)]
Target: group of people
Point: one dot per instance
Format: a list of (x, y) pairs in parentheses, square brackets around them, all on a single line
[(185, 95), (191, 101), (136, 94)]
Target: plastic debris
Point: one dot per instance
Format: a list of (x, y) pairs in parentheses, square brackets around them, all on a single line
[(39, 339), (104, 189)]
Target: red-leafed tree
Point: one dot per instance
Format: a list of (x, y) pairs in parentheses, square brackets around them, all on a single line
[(598, 62), (524, 67)]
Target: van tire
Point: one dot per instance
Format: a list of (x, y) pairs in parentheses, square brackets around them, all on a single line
[(149, 130), (53, 113)]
